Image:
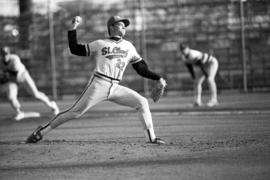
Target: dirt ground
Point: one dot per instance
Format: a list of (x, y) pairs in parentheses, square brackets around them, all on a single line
[(231, 141)]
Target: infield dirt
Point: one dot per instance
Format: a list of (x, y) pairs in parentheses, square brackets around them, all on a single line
[(231, 141)]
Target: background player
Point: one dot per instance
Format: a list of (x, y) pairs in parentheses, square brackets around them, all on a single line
[(16, 74), (111, 56), (206, 67)]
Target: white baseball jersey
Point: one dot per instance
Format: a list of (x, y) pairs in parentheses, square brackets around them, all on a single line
[(112, 57), (14, 65), (194, 56)]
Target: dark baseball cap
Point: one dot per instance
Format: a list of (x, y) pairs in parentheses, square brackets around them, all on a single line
[(4, 50), (115, 19), (182, 46)]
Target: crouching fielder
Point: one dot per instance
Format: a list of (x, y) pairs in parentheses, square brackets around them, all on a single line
[(17, 74), (111, 56), (206, 68)]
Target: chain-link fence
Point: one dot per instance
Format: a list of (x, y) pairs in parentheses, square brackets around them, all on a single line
[(239, 39)]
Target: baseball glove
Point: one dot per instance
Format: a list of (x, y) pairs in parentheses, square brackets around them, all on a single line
[(158, 90), (3, 78)]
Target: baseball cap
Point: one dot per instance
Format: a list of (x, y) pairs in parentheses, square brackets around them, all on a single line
[(182, 46), (115, 19), (4, 50)]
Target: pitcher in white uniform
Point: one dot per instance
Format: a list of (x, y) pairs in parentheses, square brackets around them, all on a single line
[(17, 74), (206, 67), (111, 55)]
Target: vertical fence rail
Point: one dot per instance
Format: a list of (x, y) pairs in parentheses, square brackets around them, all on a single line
[(243, 45), (52, 51)]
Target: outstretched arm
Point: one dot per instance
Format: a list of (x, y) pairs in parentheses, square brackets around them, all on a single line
[(191, 70), (142, 69), (75, 48)]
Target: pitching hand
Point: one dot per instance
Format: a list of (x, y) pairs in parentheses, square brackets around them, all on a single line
[(76, 21)]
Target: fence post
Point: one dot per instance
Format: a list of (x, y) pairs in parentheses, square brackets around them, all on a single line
[(52, 51), (143, 46), (243, 45)]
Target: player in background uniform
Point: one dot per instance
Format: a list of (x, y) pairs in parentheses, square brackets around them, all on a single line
[(16, 74), (206, 68), (111, 56)]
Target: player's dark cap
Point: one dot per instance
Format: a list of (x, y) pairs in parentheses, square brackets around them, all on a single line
[(4, 50), (182, 46), (115, 19)]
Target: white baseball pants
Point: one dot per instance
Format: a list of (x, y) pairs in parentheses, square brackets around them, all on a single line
[(101, 89)]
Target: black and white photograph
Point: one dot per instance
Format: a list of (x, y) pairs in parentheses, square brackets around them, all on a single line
[(135, 89)]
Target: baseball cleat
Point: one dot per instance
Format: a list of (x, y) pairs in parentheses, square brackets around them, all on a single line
[(54, 108), (197, 104), (212, 103), (24, 115), (35, 136), (158, 141), (19, 116)]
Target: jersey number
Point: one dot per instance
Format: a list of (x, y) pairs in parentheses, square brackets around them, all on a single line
[(120, 64)]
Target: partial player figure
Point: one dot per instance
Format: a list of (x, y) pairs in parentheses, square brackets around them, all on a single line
[(111, 56), (14, 74), (201, 66)]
